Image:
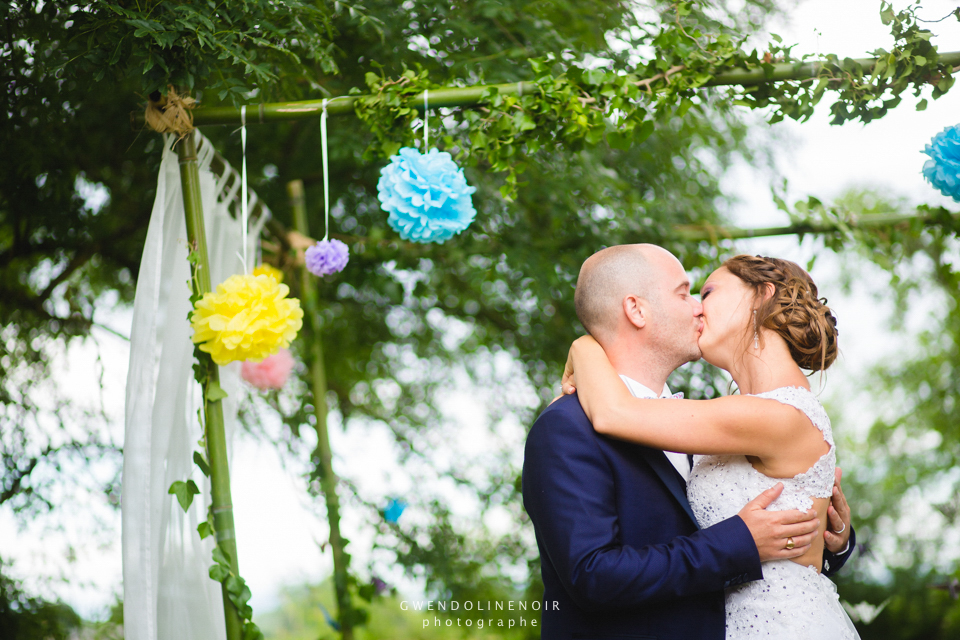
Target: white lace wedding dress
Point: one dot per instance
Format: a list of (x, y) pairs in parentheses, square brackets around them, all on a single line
[(792, 601)]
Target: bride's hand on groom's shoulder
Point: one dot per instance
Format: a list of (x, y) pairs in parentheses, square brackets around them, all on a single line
[(568, 382), (567, 385)]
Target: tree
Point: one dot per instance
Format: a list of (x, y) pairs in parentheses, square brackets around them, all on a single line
[(24, 617), (403, 316), (906, 482)]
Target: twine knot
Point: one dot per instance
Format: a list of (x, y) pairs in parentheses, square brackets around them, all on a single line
[(170, 113)]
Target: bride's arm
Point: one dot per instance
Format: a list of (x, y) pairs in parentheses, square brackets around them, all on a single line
[(730, 425)]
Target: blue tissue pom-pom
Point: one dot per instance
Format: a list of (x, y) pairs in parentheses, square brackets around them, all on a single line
[(394, 510), (943, 167), (426, 195)]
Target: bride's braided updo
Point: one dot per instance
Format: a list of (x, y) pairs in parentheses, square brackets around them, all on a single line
[(794, 311)]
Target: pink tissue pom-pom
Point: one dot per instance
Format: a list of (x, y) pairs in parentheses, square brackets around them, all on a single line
[(271, 372)]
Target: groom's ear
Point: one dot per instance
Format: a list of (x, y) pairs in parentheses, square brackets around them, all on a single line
[(636, 311)]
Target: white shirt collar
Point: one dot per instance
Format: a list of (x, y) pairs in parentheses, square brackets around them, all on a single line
[(638, 390)]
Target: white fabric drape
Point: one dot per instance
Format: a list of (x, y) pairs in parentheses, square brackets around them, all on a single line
[(168, 594)]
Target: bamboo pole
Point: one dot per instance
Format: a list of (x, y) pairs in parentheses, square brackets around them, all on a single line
[(697, 233), (469, 96), (801, 70), (214, 435), (322, 455), (692, 232)]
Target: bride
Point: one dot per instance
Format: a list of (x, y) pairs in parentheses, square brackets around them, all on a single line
[(763, 323)]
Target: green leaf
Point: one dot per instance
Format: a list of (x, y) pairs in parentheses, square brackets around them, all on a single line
[(219, 572), (237, 587), (205, 530), (367, 592), (523, 122), (204, 467), (199, 374), (147, 26), (619, 140), (644, 131), (184, 492), (922, 105), (251, 631), (215, 392), (239, 594), (220, 557), (595, 76), (886, 13), (390, 148), (539, 65), (594, 135)]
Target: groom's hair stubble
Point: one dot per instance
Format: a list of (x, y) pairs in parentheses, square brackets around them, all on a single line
[(605, 279)]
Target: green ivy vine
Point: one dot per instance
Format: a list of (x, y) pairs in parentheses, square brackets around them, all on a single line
[(221, 570)]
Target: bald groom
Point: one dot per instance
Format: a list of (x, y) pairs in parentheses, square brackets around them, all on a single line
[(620, 550)]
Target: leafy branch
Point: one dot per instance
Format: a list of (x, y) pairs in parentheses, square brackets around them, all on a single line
[(257, 44), (569, 105)]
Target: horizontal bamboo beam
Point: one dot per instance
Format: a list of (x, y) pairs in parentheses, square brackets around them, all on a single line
[(687, 232), (468, 96), (696, 233), (803, 70), (338, 106)]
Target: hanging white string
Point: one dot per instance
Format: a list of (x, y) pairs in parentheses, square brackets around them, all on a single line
[(426, 121), (243, 185), (326, 173)]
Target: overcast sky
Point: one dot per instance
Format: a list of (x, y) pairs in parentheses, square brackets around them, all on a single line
[(278, 527)]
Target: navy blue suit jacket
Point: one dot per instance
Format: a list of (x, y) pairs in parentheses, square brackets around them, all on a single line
[(620, 551)]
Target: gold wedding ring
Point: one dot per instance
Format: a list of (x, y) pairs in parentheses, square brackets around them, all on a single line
[(790, 544)]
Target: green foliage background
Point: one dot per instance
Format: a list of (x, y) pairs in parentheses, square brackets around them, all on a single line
[(404, 317)]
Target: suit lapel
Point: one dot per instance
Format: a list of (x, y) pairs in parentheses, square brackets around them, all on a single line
[(668, 474)]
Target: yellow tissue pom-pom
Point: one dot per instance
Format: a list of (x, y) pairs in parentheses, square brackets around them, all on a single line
[(248, 317), (269, 270)]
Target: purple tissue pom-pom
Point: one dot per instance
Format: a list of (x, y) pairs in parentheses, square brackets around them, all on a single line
[(943, 167), (426, 195), (379, 586), (326, 257)]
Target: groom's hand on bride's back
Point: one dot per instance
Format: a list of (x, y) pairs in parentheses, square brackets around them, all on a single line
[(772, 530)]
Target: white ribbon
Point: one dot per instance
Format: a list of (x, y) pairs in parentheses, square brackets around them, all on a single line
[(243, 184), (426, 121), (326, 173)]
